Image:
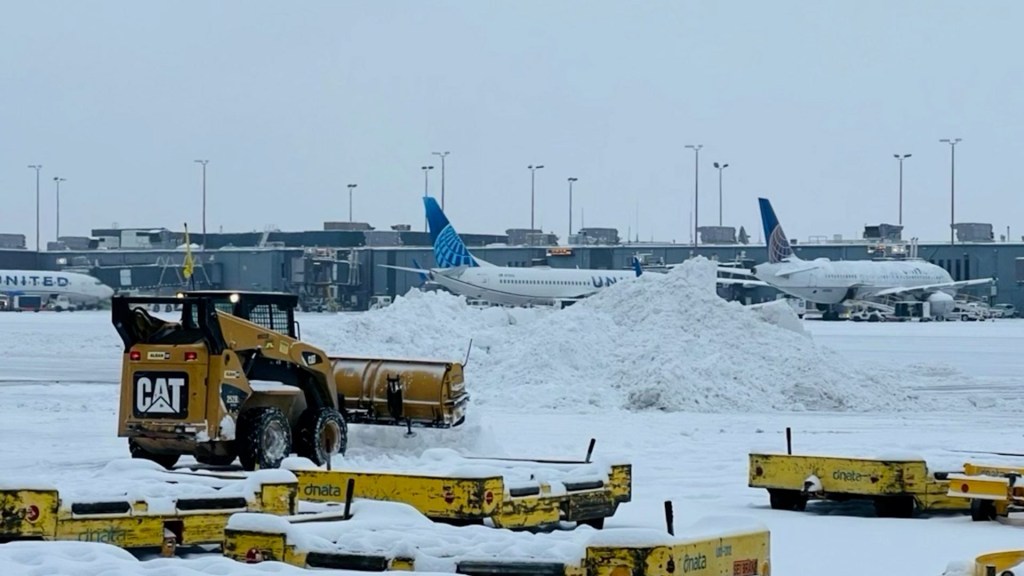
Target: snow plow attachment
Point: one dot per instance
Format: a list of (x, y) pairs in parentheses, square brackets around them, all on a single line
[(427, 393)]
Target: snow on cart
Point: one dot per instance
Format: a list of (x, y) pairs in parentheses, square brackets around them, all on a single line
[(381, 536)]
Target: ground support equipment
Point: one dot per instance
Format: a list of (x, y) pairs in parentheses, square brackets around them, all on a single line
[(39, 513), (379, 536), (992, 492), (896, 486), (587, 495)]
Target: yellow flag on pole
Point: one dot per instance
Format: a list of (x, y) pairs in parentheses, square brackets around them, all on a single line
[(189, 264)]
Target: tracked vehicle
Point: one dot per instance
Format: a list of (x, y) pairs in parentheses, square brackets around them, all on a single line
[(231, 377)]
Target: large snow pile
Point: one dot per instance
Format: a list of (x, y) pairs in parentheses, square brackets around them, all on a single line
[(657, 342)]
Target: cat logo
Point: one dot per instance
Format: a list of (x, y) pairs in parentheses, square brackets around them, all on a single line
[(161, 394)]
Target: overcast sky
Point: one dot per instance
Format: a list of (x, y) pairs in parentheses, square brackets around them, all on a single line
[(290, 101)]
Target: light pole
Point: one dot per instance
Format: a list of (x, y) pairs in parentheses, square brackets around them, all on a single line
[(571, 180), (58, 180), (37, 168), (952, 184), (533, 172), (442, 155), (203, 162), (720, 168), (426, 191), (350, 187), (696, 188), (901, 158)]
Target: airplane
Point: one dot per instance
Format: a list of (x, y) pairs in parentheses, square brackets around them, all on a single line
[(829, 284), (462, 273), (59, 288)]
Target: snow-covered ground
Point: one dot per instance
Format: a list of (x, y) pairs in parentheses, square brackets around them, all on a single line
[(684, 391)]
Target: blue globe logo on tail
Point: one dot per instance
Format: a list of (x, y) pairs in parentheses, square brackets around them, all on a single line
[(449, 249), (778, 245)]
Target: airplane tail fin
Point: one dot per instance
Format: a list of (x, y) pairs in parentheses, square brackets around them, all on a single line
[(636, 266), (449, 249), (778, 245)]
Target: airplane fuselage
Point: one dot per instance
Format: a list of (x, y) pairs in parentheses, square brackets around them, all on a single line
[(79, 289), (527, 286), (827, 282)]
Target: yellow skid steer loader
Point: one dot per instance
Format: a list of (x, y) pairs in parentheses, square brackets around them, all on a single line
[(231, 378)]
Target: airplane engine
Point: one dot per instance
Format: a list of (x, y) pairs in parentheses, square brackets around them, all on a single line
[(941, 304)]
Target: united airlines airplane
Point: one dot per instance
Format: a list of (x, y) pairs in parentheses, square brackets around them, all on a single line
[(829, 283), (462, 273), (81, 290)]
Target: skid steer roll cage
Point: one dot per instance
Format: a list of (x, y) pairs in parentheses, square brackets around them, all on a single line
[(199, 321), (198, 315)]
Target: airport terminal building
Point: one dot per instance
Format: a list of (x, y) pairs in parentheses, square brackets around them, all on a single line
[(339, 267)]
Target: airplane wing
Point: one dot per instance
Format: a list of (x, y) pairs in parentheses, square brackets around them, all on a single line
[(805, 267), (736, 271), (406, 269), (744, 283), (931, 287), (453, 271), (727, 269)]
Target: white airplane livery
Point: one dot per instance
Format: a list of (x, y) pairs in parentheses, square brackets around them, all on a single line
[(829, 283), (81, 290), (462, 273)]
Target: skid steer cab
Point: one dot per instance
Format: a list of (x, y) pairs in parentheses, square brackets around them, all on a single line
[(226, 375)]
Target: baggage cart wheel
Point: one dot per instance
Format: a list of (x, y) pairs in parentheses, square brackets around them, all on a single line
[(787, 499), (982, 510), (894, 506)]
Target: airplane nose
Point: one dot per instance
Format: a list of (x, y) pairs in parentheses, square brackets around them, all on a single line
[(108, 292)]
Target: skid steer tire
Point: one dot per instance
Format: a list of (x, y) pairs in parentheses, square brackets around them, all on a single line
[(264, 438), (317, 427), (166, 460)]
